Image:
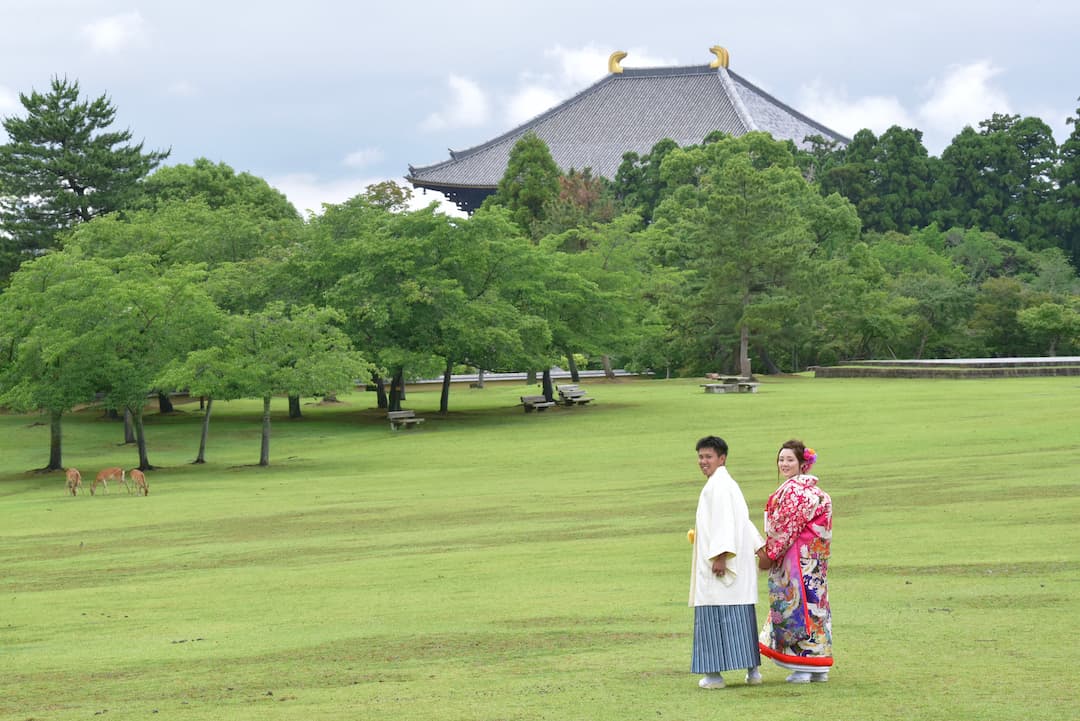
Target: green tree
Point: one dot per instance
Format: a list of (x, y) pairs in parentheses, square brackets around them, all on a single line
[(148, 316), (48, 325), (530, 182), (888, 179), (63, 166), (1066, 206), (217, 186), (1051, 326), (298, 351), (638, 184), (998, 179), (739, 223)]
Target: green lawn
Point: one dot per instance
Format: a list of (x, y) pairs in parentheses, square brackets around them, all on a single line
[(496, 565)]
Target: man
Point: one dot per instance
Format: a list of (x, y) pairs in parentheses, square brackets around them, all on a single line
[(723, 580)]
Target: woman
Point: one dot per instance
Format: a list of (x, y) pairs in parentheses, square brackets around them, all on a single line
[(798, 529)]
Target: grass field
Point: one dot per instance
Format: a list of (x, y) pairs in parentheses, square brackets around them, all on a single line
[(496, 565)]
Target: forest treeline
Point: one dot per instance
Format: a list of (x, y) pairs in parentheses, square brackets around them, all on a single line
[(123, 277)]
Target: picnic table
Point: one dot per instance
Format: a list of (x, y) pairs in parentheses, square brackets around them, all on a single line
[(403, 418), (730, 384), (572, 394), (536, 403)]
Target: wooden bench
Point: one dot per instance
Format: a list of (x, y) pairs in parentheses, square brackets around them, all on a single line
[(573, 395), (536, 403), (402, 418)]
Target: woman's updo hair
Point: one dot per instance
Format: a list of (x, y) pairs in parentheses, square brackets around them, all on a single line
[(799, 449)]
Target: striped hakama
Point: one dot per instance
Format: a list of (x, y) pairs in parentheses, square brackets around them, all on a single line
[(725, 638)]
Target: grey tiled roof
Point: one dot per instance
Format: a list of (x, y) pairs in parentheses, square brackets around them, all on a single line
[(629, 111)]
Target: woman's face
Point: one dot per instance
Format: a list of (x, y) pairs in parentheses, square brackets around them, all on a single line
[(787, 463)]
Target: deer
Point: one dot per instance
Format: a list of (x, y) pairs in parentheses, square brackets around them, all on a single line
[(139, 479), (110, 474), (74, 480)]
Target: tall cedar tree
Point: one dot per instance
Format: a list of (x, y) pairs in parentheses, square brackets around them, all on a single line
[(530, 182), (63, 166)]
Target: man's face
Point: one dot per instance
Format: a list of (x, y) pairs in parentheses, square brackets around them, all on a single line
[(708, 461)]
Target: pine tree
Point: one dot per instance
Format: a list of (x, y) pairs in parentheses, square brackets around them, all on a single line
[(63, 166)]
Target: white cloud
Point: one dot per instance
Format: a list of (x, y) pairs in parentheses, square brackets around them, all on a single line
[(468, 107), (308, 193), (363, 157), (965, 96), (182, 89), (9, 101), (833, 109), (115, 33), (529, 102), (575, 69)]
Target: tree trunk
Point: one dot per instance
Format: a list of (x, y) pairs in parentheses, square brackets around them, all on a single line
[(609, 372), (56, 460), (294, 407), (202, 403), (479, 378), (264, 451), (164, 403), (129, 430), (744, 352), (530, 377), (380, 391), (571, 365), (770, 367), (444, 397), (201, 458), (922, 346), (140, 439), (549, 391), (397, 391)]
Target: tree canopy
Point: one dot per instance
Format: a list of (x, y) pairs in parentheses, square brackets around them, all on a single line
[(63, 165)]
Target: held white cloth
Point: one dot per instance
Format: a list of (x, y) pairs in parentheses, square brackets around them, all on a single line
[(723, 527)]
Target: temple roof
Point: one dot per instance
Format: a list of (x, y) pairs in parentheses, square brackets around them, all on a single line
[(630, 109)]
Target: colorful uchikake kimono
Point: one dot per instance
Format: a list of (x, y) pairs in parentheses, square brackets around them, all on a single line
[(798, 530)]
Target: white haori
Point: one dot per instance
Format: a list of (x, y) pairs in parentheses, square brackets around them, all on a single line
[(723, 527)]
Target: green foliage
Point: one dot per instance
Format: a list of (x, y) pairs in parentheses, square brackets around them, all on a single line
[(742, 224), (998, 179), (216, 186), (529, 185), (1054, 327), (637, 181), (63, 166), (1067, 202)]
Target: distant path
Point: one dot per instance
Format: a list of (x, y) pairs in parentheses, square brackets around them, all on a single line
[(954, 368)]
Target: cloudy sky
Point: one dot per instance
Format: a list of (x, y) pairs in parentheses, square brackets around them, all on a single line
[(323, 97)]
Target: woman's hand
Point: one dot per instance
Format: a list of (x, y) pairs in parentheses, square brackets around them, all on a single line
[(719, 566), (763, 560)]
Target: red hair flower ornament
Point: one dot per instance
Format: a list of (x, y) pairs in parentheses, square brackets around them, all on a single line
[(809, 458)]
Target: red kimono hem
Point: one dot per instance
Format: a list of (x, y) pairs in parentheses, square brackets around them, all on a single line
[(824, 661)]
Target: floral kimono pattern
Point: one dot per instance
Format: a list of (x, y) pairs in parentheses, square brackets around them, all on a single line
[(798, 528)]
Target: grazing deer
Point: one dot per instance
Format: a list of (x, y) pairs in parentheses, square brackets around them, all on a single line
[(110, 474), (139, 479), (74, 480)]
